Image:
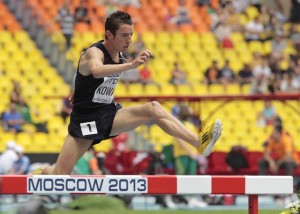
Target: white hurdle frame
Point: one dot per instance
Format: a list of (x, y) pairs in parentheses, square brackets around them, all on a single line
[(253, 186)]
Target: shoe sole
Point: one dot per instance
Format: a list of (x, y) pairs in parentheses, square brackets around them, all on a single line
[(216, 133)]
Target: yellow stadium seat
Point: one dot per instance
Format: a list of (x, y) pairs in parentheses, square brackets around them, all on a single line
[(163, 38), (5, 36), (7, 136), (200, 89), (246, 57), (178, 38), (237, 37), (208, 39), (104, 146), (151, 90), (243, 19), (21, 37), (193, 39), (136, 89), (186, 90), (267, 47), (236, 65), (233, 89), (289, 50), (55, 123), (216, 89), (168, 89), (40, 138), (195, 76), (178, 47), (256, 46), (251, 12), (6, 85), (23, 138), (149, 38)]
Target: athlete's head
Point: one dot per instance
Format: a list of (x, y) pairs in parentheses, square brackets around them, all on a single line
[(119, 30)]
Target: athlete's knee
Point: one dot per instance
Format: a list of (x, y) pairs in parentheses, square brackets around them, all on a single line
[(156, 110)]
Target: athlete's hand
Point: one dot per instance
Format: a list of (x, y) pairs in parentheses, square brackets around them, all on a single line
[(141, 58)]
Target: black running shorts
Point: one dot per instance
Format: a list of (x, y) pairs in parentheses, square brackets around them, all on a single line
[(96, 126)]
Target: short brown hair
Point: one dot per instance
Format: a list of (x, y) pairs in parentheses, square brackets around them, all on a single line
[(115, 19)]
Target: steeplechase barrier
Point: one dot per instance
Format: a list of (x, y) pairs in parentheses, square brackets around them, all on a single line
[(253, 186)]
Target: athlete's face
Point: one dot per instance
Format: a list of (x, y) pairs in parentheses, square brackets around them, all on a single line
[(123, 37)]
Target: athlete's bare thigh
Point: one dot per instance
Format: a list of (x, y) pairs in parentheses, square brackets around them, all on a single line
[(71, 152), (129, 118)]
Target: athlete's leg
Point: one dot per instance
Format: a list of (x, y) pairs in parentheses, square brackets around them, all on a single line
[(130, 118), (72, 150)]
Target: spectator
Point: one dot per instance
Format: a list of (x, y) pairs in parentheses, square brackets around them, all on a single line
[(22, 165), (240, 5), (259, 85), (16, 93), (110, 7), (253, 30), (226, 75), (82, 13), (176, 109), (212, 74), (87, 164), (262, 70), (264, 15), (245, 76), (186, 157), (295, 36), (12, 120), (280, 152), (257, 60), (8, 157), (268, 115), (146, 77), (223, 33), (288, 84), (179, 76), (275, 66), (182, 14), (24, 110), (66, 22), (193, 117), (278, 44), (274, 84), (134, 3), (201, 3), (234, 18), (274, 25)]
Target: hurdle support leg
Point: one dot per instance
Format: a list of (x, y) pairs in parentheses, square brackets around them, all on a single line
[(253, 204)]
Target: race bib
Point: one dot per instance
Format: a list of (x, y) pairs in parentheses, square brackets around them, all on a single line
[(105, 92)]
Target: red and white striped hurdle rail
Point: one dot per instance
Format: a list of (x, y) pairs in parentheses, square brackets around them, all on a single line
[(156, 184)]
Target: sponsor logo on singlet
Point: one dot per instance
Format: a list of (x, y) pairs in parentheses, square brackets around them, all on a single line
[(105, 92)]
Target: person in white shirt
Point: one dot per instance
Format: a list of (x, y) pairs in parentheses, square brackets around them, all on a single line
[(8, 157), (253, 30)]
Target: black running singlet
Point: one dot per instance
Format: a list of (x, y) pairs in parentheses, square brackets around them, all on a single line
[(91, 93)]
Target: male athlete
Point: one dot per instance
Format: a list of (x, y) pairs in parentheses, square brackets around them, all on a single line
[(95, 115)]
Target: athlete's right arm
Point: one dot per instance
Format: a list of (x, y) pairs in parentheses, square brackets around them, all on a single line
[(95, 58)]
